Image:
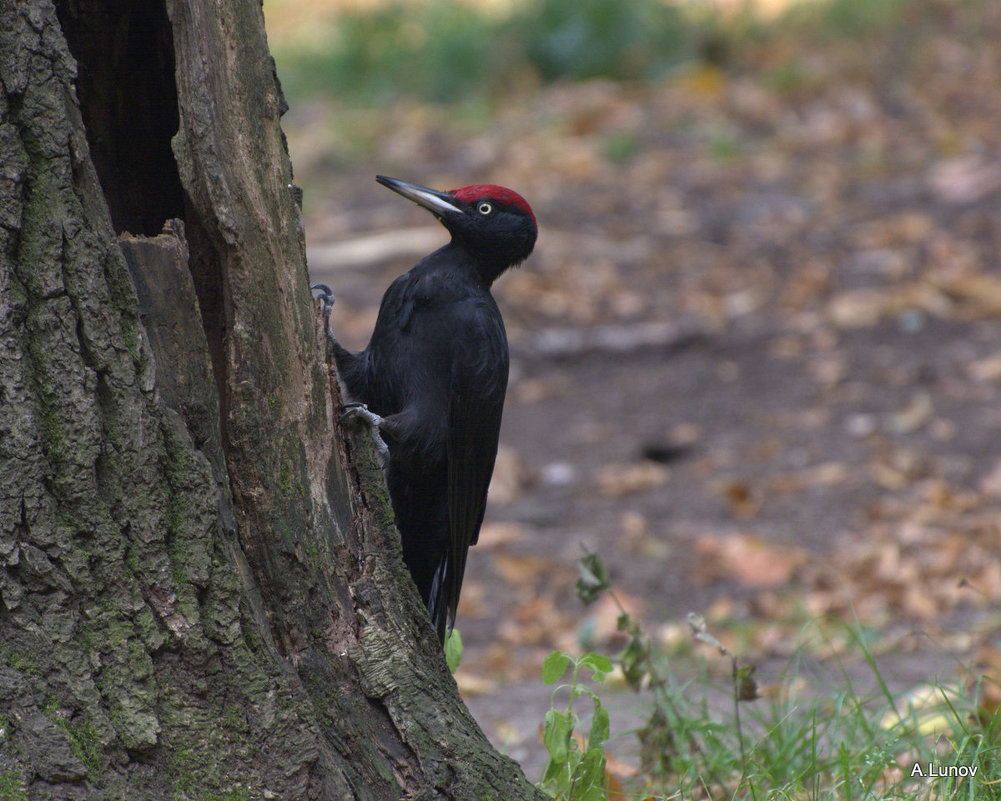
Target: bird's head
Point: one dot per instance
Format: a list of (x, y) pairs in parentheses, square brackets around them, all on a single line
[(495, 224)]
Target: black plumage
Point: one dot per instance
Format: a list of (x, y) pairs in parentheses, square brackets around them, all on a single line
[(433, 379)]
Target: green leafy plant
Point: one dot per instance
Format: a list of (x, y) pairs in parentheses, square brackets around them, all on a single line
[(589, 38), (576, 767), (673, 740), (450, 50), (453, 650), (818, 738)]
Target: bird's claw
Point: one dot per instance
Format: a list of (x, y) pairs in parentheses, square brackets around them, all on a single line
[(325, 295), (362, 412), (322, 291)]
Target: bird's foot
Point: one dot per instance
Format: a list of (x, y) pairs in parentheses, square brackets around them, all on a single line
[(361, 412), (325, 295), (323, 292)]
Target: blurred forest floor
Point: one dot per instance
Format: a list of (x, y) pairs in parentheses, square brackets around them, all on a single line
[(756, 354)]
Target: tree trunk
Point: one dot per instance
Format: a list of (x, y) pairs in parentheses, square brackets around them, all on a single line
[(202, 593)]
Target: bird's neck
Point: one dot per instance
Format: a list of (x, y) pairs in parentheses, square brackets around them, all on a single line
[(484, 267)]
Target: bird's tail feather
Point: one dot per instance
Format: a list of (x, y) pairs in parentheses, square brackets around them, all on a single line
[(442, 617)]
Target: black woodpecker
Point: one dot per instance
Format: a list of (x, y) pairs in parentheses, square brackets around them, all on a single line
[(433, 377)]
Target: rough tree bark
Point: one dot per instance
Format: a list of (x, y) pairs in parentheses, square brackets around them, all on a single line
[(201, 590)]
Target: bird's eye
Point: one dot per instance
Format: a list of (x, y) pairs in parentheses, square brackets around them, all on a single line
[(484, 208)]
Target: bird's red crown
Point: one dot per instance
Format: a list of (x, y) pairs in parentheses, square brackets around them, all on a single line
[(500, 194)]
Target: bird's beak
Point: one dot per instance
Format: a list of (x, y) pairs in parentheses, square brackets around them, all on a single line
[(438, 203)]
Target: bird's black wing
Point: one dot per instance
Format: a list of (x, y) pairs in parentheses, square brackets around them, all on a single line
[(479, 381)]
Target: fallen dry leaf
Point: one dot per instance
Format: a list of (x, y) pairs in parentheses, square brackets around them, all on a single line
[(990, 484), (509, 477), (473, 684), (986, 370), (616, 480), (741, 501), (965, 179), (988, 664), (519, 569), (747, 559), (496, 534), (472, 602), (615, 771), (917, 412)]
